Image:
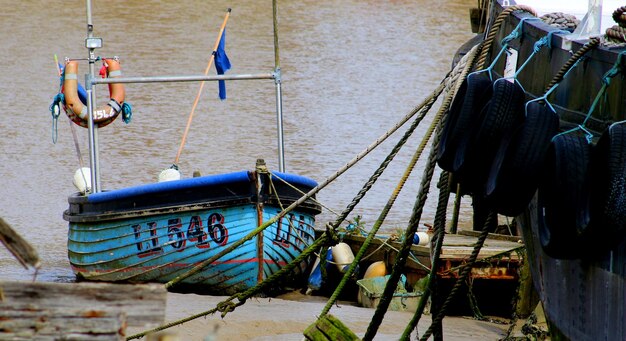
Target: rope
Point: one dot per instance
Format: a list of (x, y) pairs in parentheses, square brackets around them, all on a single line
[(195, 102), (440, 216), (228, 305), (309, 194), (418, 208), (494, 30), (385, 211), (591, 44), (463, 274), (55, 111), (127, 113), (606, 81), (617, 33), (561, 20), (440, 219)]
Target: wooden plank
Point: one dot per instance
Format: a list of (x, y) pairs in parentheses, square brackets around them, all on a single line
[(18, 246), (48, 324), (143, 305)]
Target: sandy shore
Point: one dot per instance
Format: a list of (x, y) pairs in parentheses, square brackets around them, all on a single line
[(286, 317)]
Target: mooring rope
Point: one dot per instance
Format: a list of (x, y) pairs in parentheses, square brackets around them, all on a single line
[(440, 217), (309, 194), (418, 208), (461, 279), (228, 305), (311, 249), (383, 214), (438, 236), (590, 45)]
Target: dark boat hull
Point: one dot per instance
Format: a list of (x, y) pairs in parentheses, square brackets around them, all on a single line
[(584, 297)]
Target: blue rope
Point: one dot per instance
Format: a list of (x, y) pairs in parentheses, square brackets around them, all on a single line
[(516, 33), (551, 90), (55, 110), (606, 81), (127, 113)]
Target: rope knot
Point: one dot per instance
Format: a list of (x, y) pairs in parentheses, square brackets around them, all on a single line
[(226, 307), (331, 234)]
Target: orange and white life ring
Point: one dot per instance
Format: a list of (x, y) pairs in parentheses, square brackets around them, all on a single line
[(77, 111)]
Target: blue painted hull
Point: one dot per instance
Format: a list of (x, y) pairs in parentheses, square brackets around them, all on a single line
[(131, 235)]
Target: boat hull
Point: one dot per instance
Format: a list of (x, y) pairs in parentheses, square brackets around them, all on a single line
[(584, 298), (159, 243)]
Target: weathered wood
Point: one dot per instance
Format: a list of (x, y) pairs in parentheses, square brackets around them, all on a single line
[(17, 323), (143, 305), (329, 328), (20, 248)]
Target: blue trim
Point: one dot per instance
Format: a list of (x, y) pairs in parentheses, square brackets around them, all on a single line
[(167, 186), (295, 179)]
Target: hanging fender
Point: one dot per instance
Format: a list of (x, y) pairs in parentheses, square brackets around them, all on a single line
[(77, 111)]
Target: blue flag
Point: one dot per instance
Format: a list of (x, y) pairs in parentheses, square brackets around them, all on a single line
[(222, 64)]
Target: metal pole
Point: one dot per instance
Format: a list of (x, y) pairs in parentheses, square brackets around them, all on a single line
[(279, 122), (279, 94), (190, 78), (91, 101)]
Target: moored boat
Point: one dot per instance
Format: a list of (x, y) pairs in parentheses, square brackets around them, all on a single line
[(155, 232), (220, 233), (556, 163)]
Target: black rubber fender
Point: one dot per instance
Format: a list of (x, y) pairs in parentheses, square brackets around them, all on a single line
[(516, 169), (564, 196), (502, 115), (608, 190), (473, 94)]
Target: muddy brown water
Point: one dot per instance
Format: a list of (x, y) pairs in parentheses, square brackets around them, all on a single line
[(350, 70)]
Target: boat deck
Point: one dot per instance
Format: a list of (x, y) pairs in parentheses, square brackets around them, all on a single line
[(498, 259)]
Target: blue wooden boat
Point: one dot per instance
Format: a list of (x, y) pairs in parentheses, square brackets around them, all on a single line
[(155, 232), (217, 234)]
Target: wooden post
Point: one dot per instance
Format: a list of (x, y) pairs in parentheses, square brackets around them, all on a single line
[(20, 248)]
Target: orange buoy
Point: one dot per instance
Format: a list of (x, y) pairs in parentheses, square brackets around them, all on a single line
[(77, 111), (376, 269)]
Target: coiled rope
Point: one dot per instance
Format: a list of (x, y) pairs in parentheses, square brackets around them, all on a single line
[(561, 20), (617, 33)]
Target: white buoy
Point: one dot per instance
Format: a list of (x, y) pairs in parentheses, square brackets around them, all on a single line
[(343, 256), (82, 179), (169, 174), (421, 238)]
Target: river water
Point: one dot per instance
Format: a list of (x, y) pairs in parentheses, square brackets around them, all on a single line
[(350, 70)]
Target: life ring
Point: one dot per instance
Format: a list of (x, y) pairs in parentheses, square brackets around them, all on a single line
[(77, 111)]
